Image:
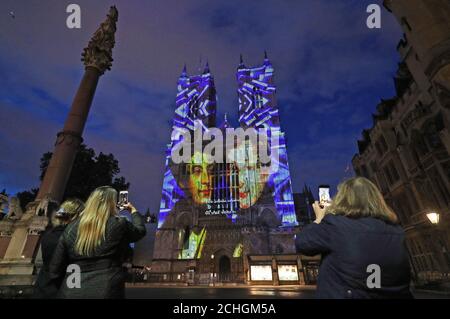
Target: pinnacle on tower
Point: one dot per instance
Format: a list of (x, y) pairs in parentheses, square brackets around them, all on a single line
[(241, 62), (266, 59), (184, 72), (206, 71), (225, 123)]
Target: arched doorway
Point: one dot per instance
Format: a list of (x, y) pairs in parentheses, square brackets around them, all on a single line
[(224, 269)]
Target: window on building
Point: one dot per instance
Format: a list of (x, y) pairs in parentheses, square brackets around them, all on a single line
[(443, 192), (394, 171), (379, 149), (388, 175), (420, 146), (383, 144)]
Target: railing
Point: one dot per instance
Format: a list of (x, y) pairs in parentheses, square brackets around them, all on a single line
[(184, 278)]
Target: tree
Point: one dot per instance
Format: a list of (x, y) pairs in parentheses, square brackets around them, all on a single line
[(26, 197), (89, 171)]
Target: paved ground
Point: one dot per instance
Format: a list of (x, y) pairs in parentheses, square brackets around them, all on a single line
[(287, 292)]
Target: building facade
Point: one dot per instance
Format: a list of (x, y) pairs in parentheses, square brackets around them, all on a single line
[(406, 152), (230, 220), (303, 206)]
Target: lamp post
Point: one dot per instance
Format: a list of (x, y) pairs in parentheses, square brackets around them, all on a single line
[(212, 269), (433, 218)]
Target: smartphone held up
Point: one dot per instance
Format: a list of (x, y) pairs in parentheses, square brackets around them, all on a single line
[(123, 199), (324, 196)]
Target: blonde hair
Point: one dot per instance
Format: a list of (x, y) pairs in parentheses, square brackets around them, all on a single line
[(73, 207), (359, 197), (100, 205)]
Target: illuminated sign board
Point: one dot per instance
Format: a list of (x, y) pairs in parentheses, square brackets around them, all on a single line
[(287, 272), (261, 272)]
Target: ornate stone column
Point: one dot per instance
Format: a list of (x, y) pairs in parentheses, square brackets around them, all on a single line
[(97, 58), (21, 235)]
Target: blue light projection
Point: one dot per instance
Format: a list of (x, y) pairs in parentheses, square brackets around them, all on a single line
[(258, 109), (195, 104), (228, 188)]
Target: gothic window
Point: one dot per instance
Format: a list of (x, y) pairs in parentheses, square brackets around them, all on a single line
[(394, 171), (382, 181), (440, 185), (387, 173), (378, 147), (420, 145)]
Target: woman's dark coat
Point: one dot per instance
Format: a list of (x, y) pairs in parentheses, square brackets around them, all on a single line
[(44, 287), (348, 246), (102, 275)]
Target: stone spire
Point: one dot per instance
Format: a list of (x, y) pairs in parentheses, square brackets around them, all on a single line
[(98, 53), (266, 59), (206, 70), (241, 62), (184, 72)]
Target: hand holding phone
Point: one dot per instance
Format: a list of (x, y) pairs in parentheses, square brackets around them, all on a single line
[(123, 200), (324, 196), (319, 211)]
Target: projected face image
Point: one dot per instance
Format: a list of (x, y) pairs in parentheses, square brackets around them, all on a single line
[(252, 176), (199, 182)]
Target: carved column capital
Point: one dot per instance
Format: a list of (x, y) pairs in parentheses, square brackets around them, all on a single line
[(6, 227), (98, 53), (37, 225)]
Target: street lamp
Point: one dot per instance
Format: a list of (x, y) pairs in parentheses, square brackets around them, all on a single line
[(433, 217), (212, 269)]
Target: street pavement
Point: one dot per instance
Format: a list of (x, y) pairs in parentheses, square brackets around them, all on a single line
[(244, 292)]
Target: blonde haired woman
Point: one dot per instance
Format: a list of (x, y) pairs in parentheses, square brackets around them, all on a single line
[(362, 246), (97, 243), (68, 211)]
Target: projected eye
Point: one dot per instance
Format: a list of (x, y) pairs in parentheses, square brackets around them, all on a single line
[(196, 170)]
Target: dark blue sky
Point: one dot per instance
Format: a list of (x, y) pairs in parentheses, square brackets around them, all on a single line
[(330, 70)]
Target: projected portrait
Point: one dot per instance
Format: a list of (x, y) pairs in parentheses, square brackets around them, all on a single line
[(191, 242), (252, 175), (200, 178)]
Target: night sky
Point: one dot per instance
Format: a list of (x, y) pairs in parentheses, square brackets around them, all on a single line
[(330, 70)]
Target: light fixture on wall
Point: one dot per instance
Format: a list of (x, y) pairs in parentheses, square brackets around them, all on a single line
[(433, 217)]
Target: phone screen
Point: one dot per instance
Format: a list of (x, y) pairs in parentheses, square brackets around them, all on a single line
[(123, 198), (324, 195)]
